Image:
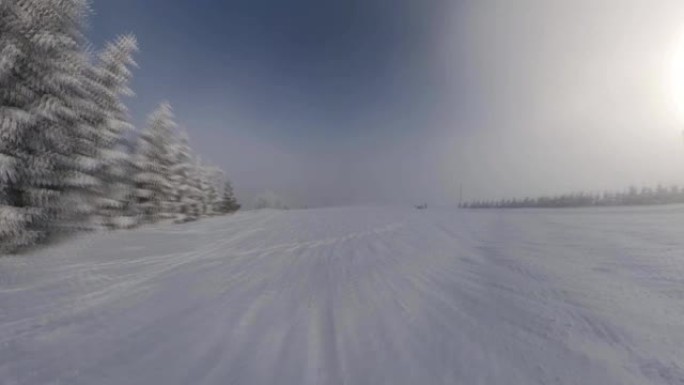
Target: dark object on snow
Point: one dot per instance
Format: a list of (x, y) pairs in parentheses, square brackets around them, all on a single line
[(422, 207)]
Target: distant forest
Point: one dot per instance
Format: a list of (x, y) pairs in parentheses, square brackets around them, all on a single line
[(632, 197)]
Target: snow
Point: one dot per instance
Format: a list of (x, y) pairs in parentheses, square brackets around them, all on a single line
[(355, 296)]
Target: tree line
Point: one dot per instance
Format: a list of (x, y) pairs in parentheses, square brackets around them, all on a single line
[(70, 159), (660, 195)]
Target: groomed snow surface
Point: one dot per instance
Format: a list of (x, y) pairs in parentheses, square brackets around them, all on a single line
[(355, 296)]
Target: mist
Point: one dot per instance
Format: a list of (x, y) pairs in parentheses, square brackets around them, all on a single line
[(568, 96), (406, 104)]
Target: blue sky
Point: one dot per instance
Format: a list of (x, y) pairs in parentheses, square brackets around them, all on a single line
[(311, 80), (308, 68), (398, 101)]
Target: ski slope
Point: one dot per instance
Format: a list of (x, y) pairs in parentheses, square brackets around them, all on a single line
[(355, 296)]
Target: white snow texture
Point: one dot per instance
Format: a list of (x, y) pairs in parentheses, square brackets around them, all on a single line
[(355, 296)]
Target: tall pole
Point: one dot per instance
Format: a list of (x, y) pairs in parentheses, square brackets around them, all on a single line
[(460, 193)]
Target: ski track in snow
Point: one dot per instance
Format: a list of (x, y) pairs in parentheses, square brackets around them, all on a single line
[(355, 296)]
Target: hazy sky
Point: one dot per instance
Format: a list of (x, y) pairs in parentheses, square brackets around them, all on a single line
[(330, 102)]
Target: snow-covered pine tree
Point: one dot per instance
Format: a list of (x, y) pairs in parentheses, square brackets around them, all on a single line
[(216, 179), (229, 203), (196, 196), (15, 119), (41, 101), (110, 78), (203, 186), (129, 213), (210, 180), (186, 190), (154, 159)]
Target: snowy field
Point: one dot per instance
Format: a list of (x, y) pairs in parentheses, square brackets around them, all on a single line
[(355, 296)]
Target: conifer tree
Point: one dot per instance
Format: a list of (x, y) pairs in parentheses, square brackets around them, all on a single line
[(215, 178), (229, 203), (186, 190), (153, 160), (111, 76), (66, 160), (202, 180), (41, 103), (196, 197)]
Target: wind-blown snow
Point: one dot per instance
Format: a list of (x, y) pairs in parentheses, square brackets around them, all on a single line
[(355, 296)]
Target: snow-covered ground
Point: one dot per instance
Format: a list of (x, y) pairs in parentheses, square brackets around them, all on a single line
[(355, 296)]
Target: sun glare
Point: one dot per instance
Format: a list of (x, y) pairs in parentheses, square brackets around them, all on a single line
[(677, 77)]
